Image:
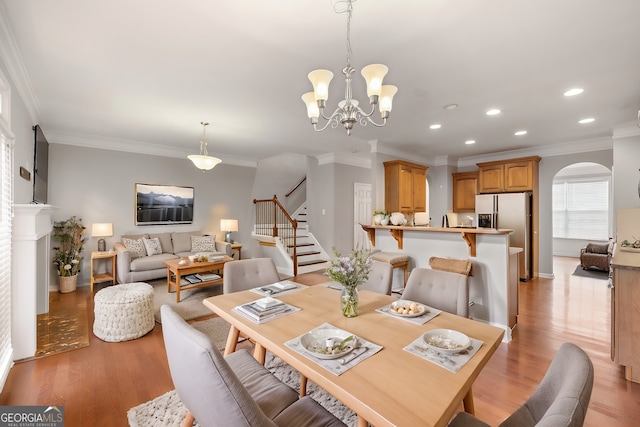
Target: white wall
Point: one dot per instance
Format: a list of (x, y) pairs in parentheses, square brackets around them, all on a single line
[(626, 173), (21, 126)]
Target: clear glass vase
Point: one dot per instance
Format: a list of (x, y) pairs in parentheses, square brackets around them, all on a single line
[(349, 301)]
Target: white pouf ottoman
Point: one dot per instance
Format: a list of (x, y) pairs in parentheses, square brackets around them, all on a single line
[(123, 312)]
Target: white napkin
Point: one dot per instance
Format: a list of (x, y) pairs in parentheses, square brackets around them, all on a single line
[(450, 362), (429, 314), (335, 366)]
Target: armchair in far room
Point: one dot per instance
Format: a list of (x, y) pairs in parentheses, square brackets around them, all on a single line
[(596, 255)]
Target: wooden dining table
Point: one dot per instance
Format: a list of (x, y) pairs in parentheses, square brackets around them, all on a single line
[(392, 387)]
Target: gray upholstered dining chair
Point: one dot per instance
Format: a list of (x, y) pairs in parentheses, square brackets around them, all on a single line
[(380, 278), (443, 290), (560, 400), (245, 274), (234, 391)]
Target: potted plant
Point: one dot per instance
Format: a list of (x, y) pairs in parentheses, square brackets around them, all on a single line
[(68, 254), (379, 216)]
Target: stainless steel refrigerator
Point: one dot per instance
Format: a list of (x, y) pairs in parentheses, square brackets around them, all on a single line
[(509, 210)]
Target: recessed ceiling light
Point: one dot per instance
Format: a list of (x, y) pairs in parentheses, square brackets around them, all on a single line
[(588, 120), (574, 92), (493, 112), (520, 133), (469, 142), (435, 126), (450, 106)]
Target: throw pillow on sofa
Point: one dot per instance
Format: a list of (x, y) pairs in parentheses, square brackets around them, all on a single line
[(203, 243), (152, 246), (135, 246)]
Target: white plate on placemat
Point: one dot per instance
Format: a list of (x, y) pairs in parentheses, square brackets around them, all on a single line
[(446, 340), (416, 308), (314, 342)]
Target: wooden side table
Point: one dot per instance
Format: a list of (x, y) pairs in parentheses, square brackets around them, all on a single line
[(237, 247), (103, 277)]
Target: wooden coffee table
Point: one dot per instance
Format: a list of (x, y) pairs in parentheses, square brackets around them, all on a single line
[(175, 272)]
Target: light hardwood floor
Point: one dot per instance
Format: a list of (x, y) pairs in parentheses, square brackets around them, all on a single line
[(99, 383)]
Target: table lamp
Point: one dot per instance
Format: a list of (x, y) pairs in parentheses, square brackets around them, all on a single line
[(228, 225), (104, 229)]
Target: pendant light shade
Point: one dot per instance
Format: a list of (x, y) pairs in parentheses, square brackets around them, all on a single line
[(203, 161)]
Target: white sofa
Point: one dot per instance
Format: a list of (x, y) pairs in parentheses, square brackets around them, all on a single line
[(135, 265)]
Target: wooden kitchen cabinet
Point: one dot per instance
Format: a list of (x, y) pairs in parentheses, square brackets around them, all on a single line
[(625, 313), (465, 188), (405, 187), (514, 175)]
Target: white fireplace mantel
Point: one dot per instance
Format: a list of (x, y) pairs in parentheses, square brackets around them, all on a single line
[(31, 263)]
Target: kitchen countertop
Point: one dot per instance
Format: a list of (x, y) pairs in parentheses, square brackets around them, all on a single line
[(623, 259), (441, 229)]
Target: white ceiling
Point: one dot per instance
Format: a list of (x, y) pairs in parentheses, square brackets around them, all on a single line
[(141, 75)]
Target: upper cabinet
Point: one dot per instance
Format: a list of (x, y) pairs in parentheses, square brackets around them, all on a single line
[(465, 188), (405, 186), (514, 175)]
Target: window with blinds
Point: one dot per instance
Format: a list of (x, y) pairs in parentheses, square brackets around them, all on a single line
[(581, 208), (6, 200)]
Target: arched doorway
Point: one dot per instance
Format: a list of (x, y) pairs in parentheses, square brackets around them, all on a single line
[(581, 207)]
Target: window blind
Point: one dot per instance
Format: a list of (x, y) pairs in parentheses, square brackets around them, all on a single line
[(581, 209), (6, 207), (6, 199)]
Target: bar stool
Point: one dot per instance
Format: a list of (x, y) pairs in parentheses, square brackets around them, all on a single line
[(396, 259)]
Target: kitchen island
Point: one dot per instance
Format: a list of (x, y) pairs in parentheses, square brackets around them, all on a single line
[(492, 286)]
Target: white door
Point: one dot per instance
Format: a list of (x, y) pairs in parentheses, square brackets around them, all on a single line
[(362, 214)]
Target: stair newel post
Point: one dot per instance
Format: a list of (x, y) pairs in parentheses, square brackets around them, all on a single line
[(275, 216), (295, 247)]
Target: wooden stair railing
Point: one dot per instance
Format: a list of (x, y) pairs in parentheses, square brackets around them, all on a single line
[(272, 219)]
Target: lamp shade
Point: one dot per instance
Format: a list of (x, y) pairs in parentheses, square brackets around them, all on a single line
[(309, 100), (386, 97), (320, 80), (229, 224), (103, 229), (204, 162), (373, 75)]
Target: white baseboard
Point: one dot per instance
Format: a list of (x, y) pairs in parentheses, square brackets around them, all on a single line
[(6, 362)]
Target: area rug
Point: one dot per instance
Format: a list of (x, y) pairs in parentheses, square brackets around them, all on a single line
[(190, 306), (168, 411), (216, 329), (591, 273)]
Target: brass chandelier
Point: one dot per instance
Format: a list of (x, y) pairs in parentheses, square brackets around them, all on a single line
[(349, 111)]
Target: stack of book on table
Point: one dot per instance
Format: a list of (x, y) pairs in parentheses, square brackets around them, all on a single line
[(197, 278), (260, 312)]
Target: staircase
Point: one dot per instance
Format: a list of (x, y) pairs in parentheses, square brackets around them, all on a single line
[(286, 238)]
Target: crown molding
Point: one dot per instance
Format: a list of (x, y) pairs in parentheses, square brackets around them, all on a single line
[(376, 147), (573, 147), (625, 130), (131, 146), (18, 74), (343, 158)]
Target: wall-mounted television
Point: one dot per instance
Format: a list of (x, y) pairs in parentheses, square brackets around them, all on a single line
[(163, 204), (40, 166)]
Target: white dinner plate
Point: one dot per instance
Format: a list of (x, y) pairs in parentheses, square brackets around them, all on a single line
[(314, 342), (422, 309), (447, 340)]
